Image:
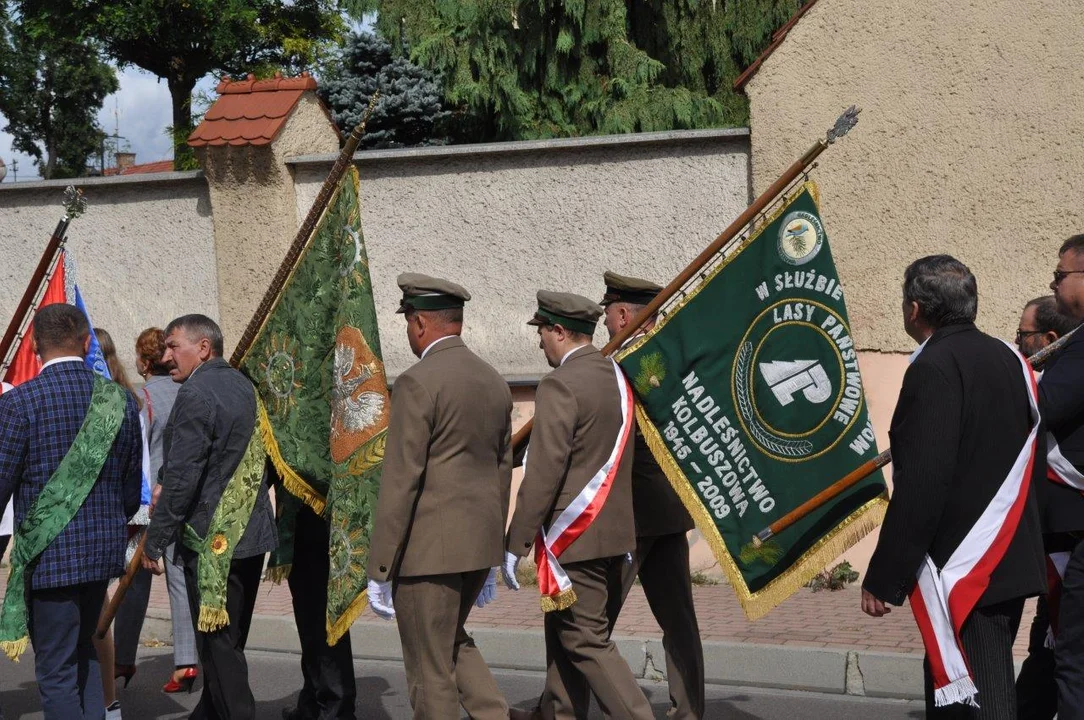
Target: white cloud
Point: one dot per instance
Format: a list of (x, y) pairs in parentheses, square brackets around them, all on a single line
[(140, 110)]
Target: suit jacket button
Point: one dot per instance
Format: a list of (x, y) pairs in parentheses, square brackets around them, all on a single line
[(383, 569), (526, 544)]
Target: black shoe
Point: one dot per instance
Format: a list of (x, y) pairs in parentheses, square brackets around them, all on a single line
[(295, 714)]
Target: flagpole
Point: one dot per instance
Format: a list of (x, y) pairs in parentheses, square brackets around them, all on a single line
[(346, 156), (844, 123), (293, 254), (871, 466), (74, 206)]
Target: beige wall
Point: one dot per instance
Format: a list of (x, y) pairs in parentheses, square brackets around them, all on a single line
[(144, 250), (508, 219), (971, 142), (252, 193)]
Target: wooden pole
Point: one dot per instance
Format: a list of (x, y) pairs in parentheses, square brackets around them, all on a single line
[(293, 254), (122, 587), (74, 206), (844, 123), (868, 468)]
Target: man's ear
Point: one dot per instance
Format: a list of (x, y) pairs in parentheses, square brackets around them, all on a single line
[(913, 313), (86, 345), (1050, 336)]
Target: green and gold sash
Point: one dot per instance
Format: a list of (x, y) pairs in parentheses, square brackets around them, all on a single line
[(57, 505), (227, 526)]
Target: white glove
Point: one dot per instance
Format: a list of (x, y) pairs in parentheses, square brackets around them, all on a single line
[(380, 599), (489, 590), (511, 562)]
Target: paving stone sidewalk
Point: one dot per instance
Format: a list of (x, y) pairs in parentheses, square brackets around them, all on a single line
[(823, 619)]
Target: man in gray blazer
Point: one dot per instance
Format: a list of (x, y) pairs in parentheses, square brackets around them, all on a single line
[(440, 516), (209, 431)]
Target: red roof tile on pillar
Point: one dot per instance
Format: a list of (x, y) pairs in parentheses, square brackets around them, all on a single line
[(250, 111)]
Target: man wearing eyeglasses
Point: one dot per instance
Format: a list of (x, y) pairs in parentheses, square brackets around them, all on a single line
[(1061, 402), (1059, 507)]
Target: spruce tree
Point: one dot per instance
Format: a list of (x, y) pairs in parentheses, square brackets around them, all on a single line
[(411, 108), (522, 69)]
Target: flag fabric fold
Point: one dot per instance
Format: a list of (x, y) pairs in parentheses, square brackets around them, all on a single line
[(316, 363), (750, 397)]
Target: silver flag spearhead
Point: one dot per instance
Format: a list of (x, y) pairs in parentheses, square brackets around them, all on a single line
[(844, 123)]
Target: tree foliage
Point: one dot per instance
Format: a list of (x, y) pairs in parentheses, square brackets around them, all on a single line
[(542, 68), (411, 108), (181, 41), (51, 88)]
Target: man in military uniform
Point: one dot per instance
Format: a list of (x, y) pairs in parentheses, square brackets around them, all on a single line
[(576, 498), (440, 516), (661, 560)]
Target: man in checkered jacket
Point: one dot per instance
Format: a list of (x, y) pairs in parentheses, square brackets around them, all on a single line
[(39, 421)]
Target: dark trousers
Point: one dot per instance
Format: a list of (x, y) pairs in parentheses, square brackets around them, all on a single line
[(1069, 643), (226, 692), (130, 615), (329, 691), (62, 621), (1036, 686), (987, 637)]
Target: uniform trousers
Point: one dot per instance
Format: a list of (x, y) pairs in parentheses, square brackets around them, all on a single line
[(62, 621), (443, 667), (226, 692), (986, 637), (1069, 643), (662, 564), (329, 691), (1036, 685), (581, 659)]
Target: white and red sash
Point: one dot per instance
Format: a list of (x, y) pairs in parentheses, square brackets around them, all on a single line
[(1062, 472), (944, 598), (553, 583)]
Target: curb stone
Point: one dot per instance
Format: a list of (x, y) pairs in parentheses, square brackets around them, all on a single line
[(823, 670)]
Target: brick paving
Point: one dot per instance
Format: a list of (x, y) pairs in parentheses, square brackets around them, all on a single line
[(808, 619)]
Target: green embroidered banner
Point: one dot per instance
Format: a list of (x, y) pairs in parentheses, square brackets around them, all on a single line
[(751, 399), (317, 365)]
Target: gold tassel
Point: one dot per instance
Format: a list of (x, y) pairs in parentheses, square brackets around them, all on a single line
[(561, 601), (290, 479), (275, 575), (341, 626), (212, 619), (756, 605), (14, 648)]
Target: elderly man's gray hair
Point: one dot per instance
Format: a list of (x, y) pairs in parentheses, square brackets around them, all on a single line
[(199, 327)]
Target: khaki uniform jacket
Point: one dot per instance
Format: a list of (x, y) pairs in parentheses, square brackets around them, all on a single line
[(576, 423), (447, 474)]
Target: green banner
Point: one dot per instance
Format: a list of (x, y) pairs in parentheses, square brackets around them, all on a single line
[(317, 365), (751, 399)]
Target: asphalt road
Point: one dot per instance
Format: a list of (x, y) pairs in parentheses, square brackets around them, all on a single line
[(382, 695)]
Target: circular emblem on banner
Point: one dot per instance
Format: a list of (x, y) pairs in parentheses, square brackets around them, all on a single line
[(795, 394), (801, 236)]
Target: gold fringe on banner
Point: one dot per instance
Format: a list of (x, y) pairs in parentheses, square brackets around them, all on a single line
[(14, 648), (290, 479), (275, 575), (211, 619), (340, 627), (758, 604)]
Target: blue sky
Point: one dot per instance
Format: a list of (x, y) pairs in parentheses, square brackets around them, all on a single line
[(142, 111)]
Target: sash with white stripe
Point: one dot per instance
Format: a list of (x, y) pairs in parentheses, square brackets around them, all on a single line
[(1063, 472), (943, 599), (553, 583)]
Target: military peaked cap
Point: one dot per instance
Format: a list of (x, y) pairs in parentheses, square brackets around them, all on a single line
[(574, 312), (621, 288), (422, 292)]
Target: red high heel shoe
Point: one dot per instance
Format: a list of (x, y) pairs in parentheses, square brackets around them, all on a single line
[(188, 678), (124, 671)]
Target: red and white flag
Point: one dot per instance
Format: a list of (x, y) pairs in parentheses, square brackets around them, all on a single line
[(944, 597)]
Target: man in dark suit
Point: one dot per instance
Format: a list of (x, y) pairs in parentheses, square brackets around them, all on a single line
[(962, 530), (1061, 400), (1036, 685), (40, 422), (208, 436), (438, 527), (581, 443)]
